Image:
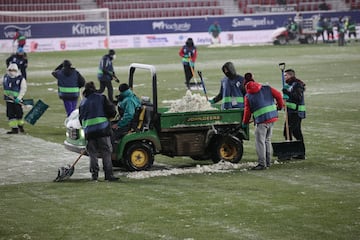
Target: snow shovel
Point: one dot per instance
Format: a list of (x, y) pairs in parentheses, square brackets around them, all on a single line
[(116, 78), (67, 171), (286, 150), (194, 85), (27, 104), (36, 112)]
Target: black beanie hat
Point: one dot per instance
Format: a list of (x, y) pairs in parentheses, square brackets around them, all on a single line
[(248, 78), (189, 42), (111, 52), (123, 87), (67, 64), (290, 70), (89, 88)]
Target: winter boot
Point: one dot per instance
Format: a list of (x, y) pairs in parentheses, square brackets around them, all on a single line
[(21, 129), (111, 178), (13, 131), (94, 176)]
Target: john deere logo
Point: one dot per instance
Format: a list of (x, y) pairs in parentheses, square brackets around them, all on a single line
[(204, 118)]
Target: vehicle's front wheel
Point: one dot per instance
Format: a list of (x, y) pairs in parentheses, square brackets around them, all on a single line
[(227, 149), (139, 156)]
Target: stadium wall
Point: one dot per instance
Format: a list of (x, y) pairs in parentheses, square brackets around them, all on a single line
[(161, 32)]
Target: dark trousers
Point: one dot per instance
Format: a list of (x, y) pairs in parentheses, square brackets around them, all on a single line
[(341, 40), (352, 34), (119, 133), (110, 90), (294, 127), (70, 105), (188, 74), (103, 146), (330, 35), (14, 111)]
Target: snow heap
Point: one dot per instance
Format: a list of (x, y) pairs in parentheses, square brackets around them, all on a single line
[(191, 103)]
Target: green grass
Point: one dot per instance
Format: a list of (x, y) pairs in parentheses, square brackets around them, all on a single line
[(313, 199)]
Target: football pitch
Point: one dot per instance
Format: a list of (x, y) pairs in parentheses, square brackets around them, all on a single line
[(318, 198)]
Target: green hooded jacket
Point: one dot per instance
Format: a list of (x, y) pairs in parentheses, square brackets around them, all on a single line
[(128, 107)]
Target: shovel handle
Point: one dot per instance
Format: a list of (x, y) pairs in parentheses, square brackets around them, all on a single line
[(12, 98), (116, 78), (203, 84), (287, 123), (192, 71), (78, 158), (282, 68)]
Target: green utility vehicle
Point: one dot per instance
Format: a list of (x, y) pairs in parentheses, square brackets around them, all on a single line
[(201, 135)]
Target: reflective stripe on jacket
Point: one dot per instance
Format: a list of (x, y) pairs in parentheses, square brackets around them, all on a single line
[(11, 86), (92, 113), (105, 65), (262, 105), (294, 105), (68, 86), (232, 96), (300, 109)]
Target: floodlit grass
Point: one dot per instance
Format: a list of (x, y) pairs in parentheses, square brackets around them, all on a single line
[(313, 199)]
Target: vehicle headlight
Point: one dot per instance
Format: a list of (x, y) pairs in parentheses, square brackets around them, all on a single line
[(81, 133)]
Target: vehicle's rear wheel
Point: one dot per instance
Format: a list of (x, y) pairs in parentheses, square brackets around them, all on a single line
[(139, 156), (282, 40), (310, 40), (227, 149)]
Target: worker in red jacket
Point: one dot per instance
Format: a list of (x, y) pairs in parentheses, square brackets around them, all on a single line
[(188, 54), (259, 101), (20, 38)]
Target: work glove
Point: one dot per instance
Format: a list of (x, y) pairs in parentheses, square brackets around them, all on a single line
[(17, 100), (285, 96), (113, 77), (211, 101), (244, 125), (286, 92), (286, 88)]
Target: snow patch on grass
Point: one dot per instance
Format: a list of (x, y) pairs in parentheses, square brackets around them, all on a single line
[(220, 167), (28, 159)]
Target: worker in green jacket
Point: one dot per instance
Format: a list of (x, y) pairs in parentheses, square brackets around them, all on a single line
[(350, 26), (128, 105)]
